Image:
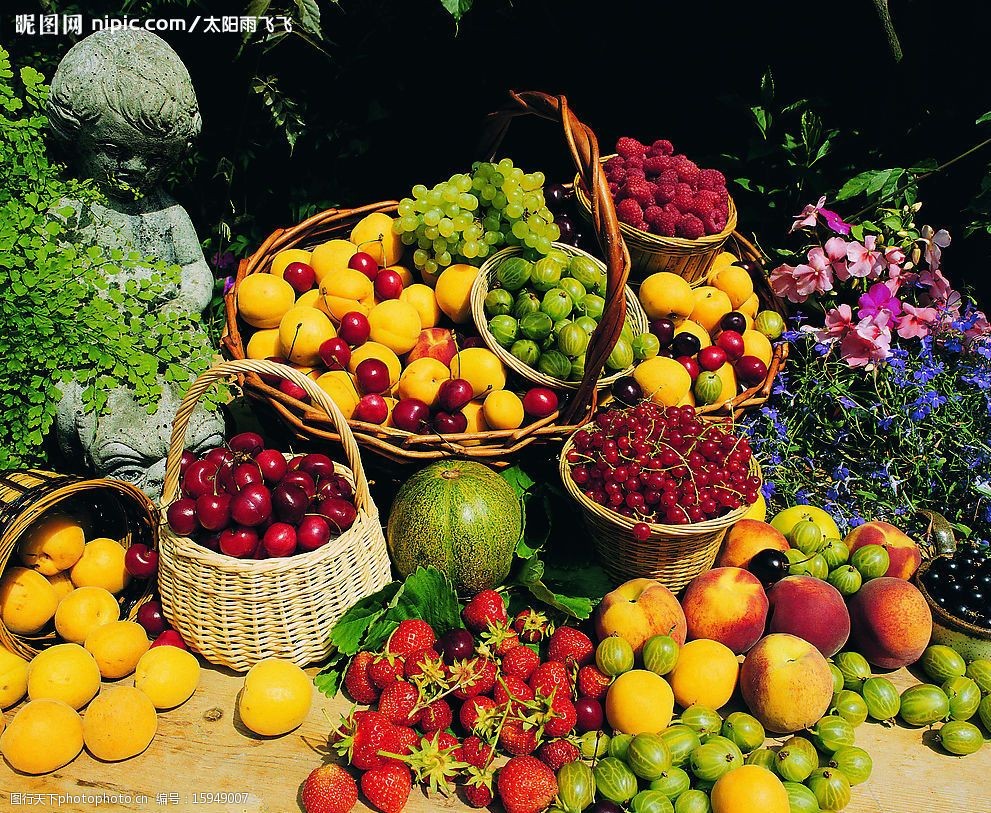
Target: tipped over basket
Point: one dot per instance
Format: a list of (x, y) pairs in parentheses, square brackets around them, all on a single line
[(235, 612), (672, 554)]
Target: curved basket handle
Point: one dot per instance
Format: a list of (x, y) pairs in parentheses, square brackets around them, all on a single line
[(230, 369), (584, 149)]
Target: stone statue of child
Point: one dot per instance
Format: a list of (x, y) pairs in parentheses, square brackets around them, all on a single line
[(123, 106)]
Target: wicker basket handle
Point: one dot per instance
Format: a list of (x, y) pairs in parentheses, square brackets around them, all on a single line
[(230, 369), (584, 149)]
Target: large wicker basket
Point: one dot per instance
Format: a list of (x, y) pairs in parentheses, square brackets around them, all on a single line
[(634, 315), (650, 253), (672, 554), (235, 612), (495, 448), (114, 509)]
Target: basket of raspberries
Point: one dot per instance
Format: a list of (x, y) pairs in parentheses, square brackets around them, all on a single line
[(674, 215)]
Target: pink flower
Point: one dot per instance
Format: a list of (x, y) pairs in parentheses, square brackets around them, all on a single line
[(864, 258), (914, 323), (879, 299), (836, 251), (839, 321), (935, 243), (835, 222), (869, 341), (798, 283), (941, 294), (894, 257), (808, 216)]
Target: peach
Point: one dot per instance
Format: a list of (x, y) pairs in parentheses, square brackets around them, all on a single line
[(422, 379), (810, 609), (640, 609), (890, 622), (374, 235), (902, 549), (422, 298), (396, 324), (727, 604), (436, 343), (745, 539), (786, 683)]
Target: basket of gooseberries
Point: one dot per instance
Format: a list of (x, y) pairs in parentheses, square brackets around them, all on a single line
[(658, 487), (539, 316)]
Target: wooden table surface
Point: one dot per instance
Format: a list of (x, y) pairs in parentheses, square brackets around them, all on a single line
[(202, 752)]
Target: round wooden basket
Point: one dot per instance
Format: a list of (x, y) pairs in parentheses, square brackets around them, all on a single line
[(672, 554), (115, 509), (235, 612), (495, 448), (650, 253), (634, 314)]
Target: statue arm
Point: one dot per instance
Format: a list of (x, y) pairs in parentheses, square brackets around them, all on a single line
[(197, 279)]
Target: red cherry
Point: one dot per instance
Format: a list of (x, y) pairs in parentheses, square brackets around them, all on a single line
[(589, 713), (220, 456), (234, 478), (302, 479), (472, 341), (373, 376), (272, 464), (169, 638), (248, 442), (317, 465), (711, 358), (641, 532), (141, 561), (365, 263), (454, 394), (214, 511), (289, 502), (354, 328), (689, 364), (335, 354), (372, 408), (663, 329), (151, 619), (210, 541), (187, 459), (388, 284), (313, 532), (335, 486), (732, 343), (273, 380), (411, 415), (293, 390), (751, 370), (279, 540), (450, 423), (252, 505), (340, 513), (182, 516), (200, 478), (238, 542), (540, 402), (300, 276)]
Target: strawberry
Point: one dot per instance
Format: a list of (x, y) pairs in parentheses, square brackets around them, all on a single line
[(428, 663), (500, 639), (398, 702), (557, 753), (406, 738), (474, 676), (386, 669), (477, 790), (435, 761), (374, 733), (516, 738), (478, 715), (592, 682), (570, 646), (563, 717), (357, 682), (550, 676), (387, 788), (329, 789), (512, 689), (486, 609), (532, 626), (411, 635), (475, 752), (520, 661), (525, 785), (436, 716), (444, 740)]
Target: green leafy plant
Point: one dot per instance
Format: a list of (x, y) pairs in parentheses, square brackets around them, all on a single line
[(63, 318)]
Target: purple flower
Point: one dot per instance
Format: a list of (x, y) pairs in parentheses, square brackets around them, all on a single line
[(835, 222), (223, 262), (878, 300), (228, 284)]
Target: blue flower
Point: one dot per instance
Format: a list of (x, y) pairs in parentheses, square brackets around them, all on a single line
[(841, 473), (767, 489), (848, 403)]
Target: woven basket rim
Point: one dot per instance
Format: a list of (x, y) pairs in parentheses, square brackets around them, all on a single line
[(479, 289)]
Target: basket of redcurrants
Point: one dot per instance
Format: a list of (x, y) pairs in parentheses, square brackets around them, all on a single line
[(658, 487), (262, 551)]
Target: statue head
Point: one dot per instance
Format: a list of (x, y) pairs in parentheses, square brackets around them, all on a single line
[(123, 105)]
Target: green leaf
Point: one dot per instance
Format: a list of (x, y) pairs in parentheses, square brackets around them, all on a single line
[(328, 679), (428, 594), (457, 8), (309, 17), (350, 629), (984, 118), (856, 185), (762, 119), (518, 479), (576, 607), (589, 580)]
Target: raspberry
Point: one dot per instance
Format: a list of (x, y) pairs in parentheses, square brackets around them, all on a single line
[(634, 163), (705, 202), (616, 176), (688, 171), (684, 197), (613, 188), (711, 179), (665, 223), (723, 196), (689, 227), (635, 173), (630, 147), (651, 213), (661, 147), (641, 225), (629, 211), (656, 164), (616, 162), (668, 176), (714, 221), (640, 192), (664, 192), (557, 753)]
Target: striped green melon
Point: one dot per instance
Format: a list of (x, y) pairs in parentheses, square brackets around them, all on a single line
[(460, 517)]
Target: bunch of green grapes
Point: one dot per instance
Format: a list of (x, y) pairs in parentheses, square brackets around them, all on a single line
[(468, 217)]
